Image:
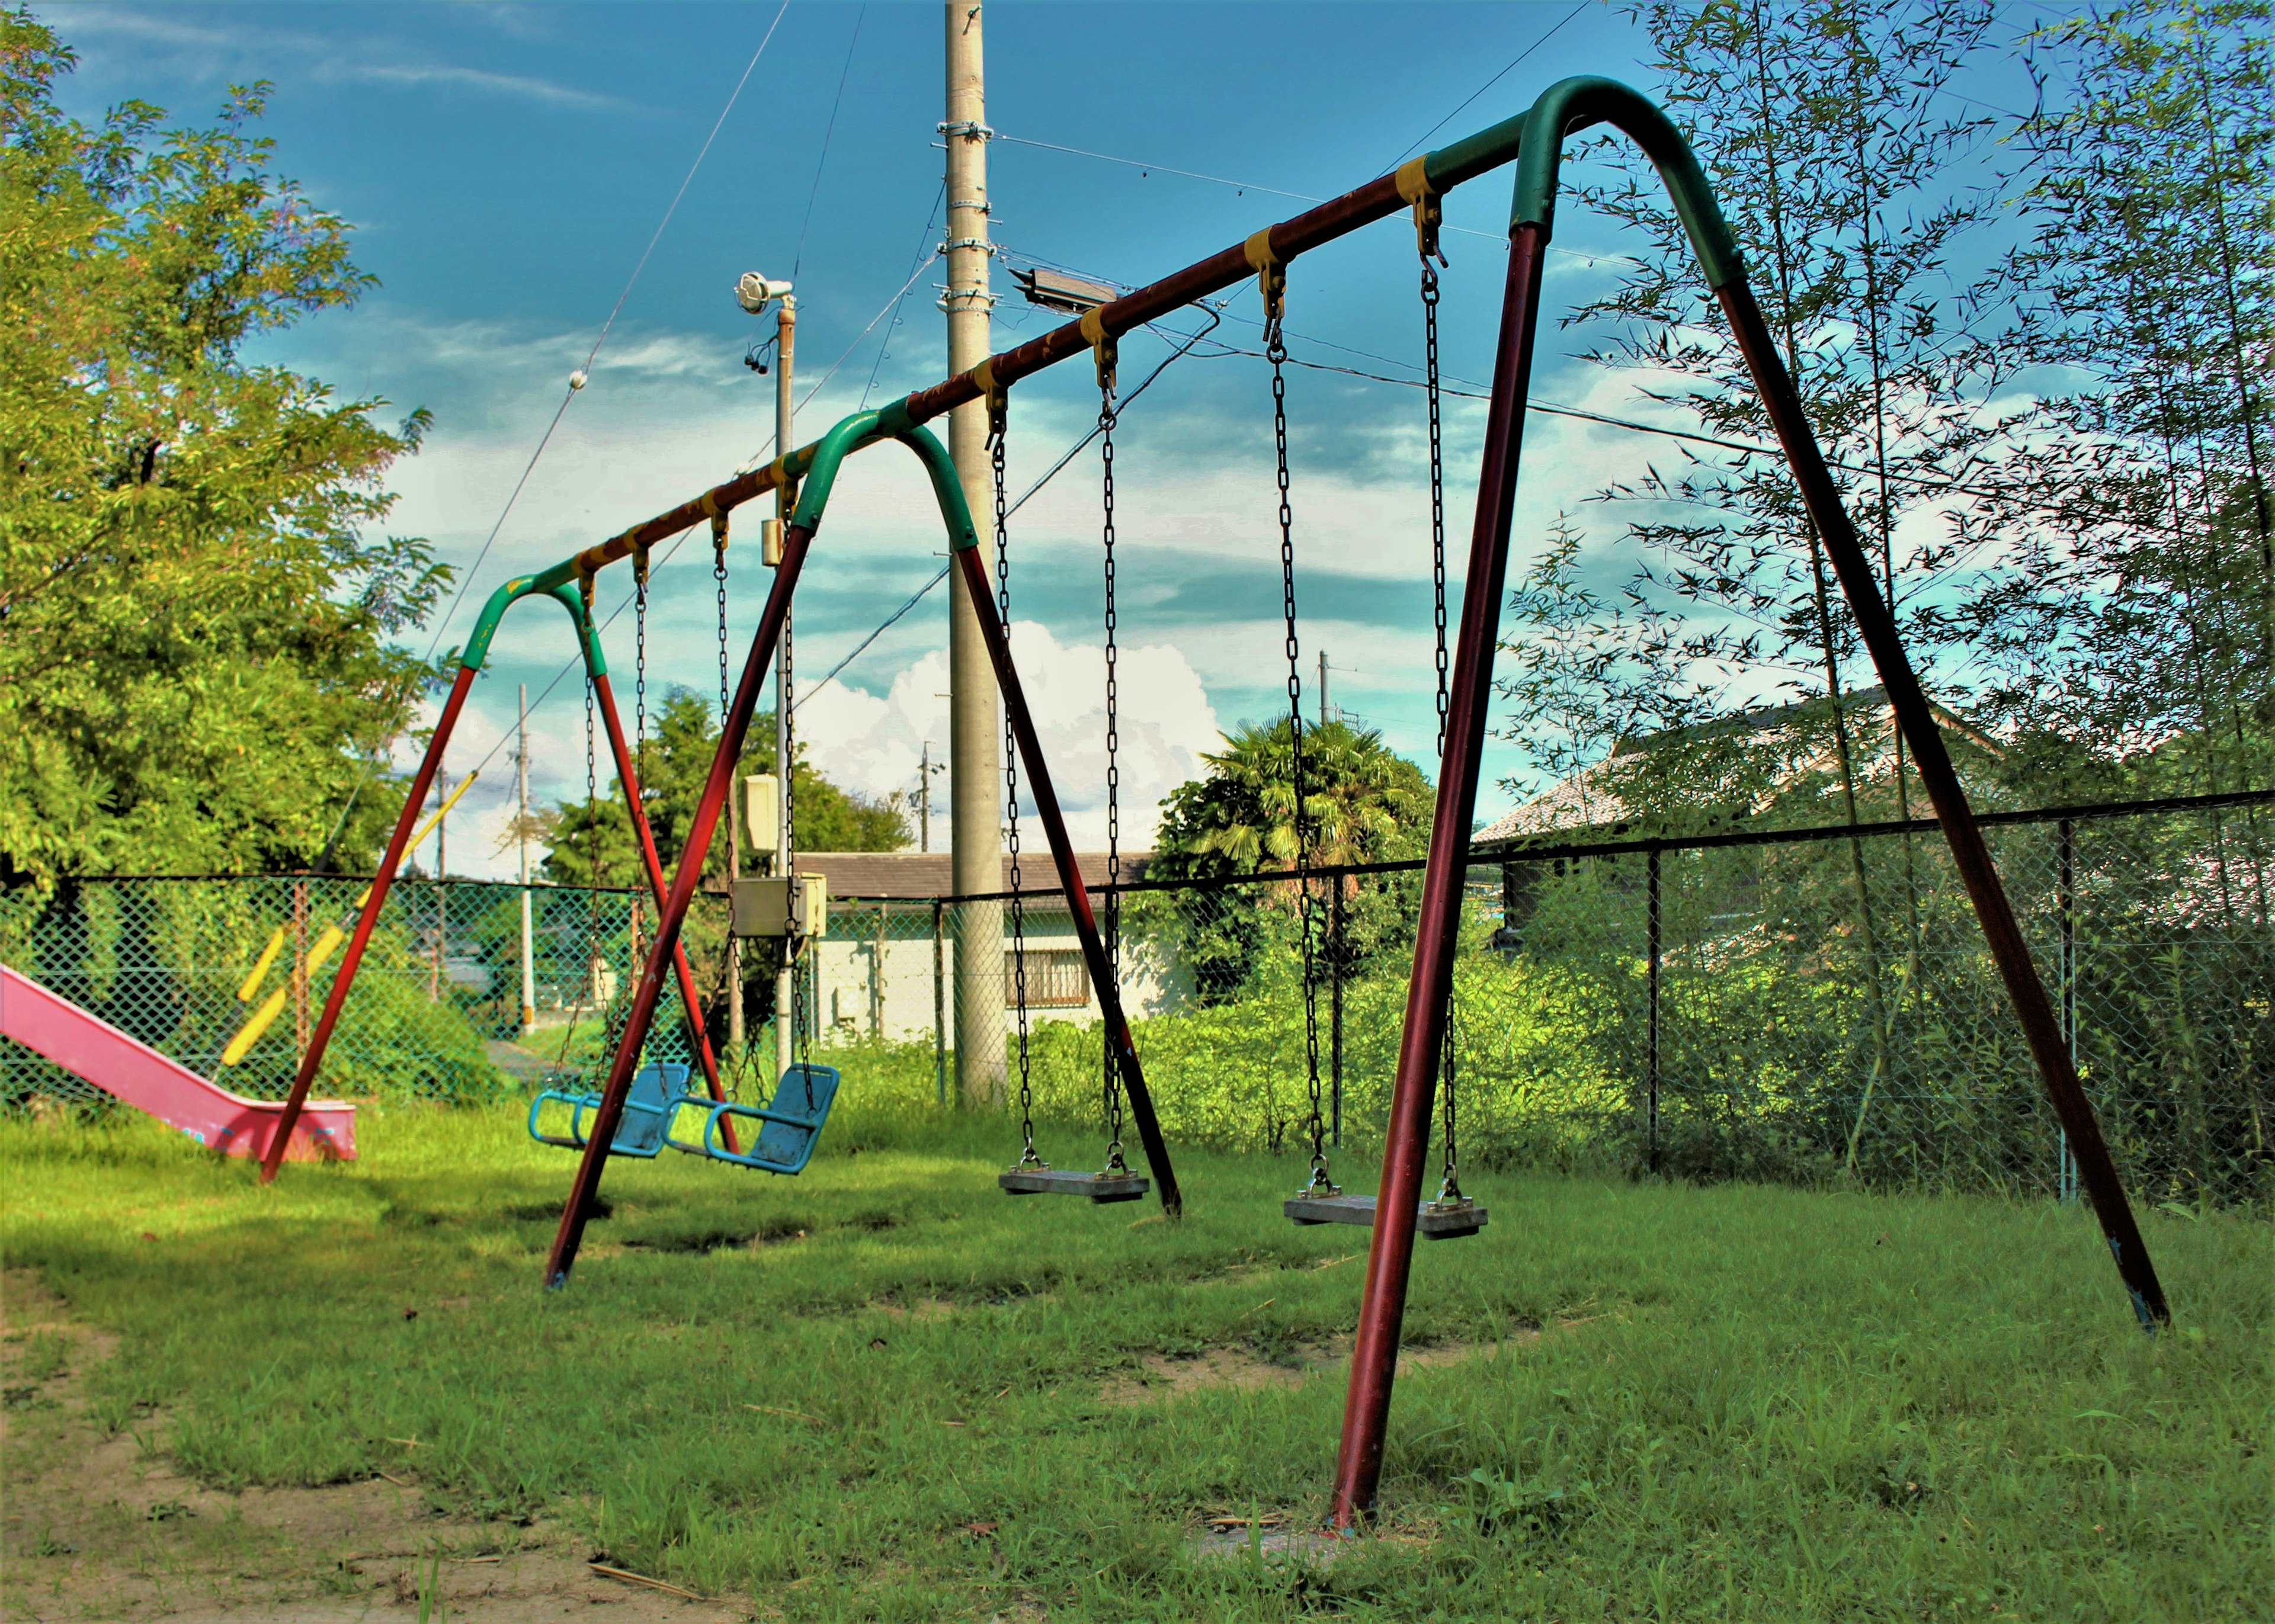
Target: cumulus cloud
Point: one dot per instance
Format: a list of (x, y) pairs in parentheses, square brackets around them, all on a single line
[(875, 743)]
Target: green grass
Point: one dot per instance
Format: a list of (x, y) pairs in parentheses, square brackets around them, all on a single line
[(1747, 1402)]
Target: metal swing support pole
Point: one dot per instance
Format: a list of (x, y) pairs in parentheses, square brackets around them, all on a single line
[(470, 662), (1571, 105), (1533, 141), (968, 560), (817, 469), (313, 1059)]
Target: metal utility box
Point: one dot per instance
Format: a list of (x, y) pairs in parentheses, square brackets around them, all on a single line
[(780, 905), (762, 812)]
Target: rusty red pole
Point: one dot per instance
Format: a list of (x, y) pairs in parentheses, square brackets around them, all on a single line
[(982, 595), (404, 824), (628, 776), (673, 914), (1374, 1360), (1876, 624)]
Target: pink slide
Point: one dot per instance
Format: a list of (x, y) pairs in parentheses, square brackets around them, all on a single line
[(136, 1073)]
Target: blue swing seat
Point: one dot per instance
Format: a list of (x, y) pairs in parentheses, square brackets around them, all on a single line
[(792, 1122), (654, 1098)]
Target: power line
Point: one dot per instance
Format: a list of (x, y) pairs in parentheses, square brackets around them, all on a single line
[(1249, 185), (576, 382), (924, 263), (924, 260), (577, 379), (827, 130), (1490, 83), (1072, 451)]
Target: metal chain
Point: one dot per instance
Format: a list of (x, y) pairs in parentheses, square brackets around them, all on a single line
[(788, 769), (587, 992), (1111, 1053), (639, 660), (719, 579), (1276, 350), (1449, 1188), (998, 429)]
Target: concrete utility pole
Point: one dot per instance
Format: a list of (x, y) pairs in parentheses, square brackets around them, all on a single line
[(974, 730), (923, 800), (521, 829), (785, 410), (1323, 687)]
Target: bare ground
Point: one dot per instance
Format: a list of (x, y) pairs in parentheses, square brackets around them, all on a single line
[(97, 1526)]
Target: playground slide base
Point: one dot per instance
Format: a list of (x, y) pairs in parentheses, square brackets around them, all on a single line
[(131, 1071)]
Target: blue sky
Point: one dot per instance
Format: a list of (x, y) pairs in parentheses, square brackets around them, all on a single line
[(504, 167)]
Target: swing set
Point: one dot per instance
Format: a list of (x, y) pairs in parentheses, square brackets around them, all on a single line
[(1533, 141)]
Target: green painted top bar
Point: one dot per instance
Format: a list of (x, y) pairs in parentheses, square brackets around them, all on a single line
[(1534, 139), (477, 650), (1574, 105)]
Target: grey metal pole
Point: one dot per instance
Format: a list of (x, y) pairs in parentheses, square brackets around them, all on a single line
[(974, 726), (939, 1005), (1651, 1058), (785, 411), (521, 827), (2065, 1165)]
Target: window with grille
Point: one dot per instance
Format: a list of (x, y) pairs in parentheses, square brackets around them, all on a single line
[(1057, 978)]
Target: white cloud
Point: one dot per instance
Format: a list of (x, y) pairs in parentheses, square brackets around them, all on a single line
[(422, 74), (874, 744)]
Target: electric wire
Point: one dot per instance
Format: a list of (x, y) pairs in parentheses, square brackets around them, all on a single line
[(924, 264), (1546, 408), (571, 393), (1246, 187), (467, 579), (827, 130), (1490, 83), (1071, 452)]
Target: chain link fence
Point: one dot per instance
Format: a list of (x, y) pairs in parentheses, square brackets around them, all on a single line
[(1800, 1006), (173, 963)]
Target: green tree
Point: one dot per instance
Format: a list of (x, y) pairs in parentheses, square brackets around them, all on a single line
[(2145, 612), (674, 763), (1361, 804), (194, 625)]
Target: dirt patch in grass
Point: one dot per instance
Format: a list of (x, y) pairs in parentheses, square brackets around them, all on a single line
[(102, 1526), (1161, 1377)]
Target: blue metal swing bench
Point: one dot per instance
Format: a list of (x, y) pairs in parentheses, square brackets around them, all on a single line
[(658, 1094)]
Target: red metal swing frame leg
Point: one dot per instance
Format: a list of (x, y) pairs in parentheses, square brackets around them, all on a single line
[(1390, 1256), (1358, 1469), (628, 775), (405, 822), (981, 594), (673, 913), (1969, 855)]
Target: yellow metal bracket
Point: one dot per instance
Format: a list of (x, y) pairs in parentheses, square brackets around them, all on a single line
[(1271, 273), (1429, 210), (1102, 347)]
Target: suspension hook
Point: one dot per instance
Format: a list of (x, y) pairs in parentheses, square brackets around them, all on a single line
[(1428, 208), (1102, 347)]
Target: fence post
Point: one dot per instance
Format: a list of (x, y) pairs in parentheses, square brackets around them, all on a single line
[(2066, 907), (299, 970), (1650, 1036), (939, 1005), (1336, 1002)]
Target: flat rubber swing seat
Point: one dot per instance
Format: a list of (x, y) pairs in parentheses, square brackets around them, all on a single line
[(1100, 1187), (1435, 1220)]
